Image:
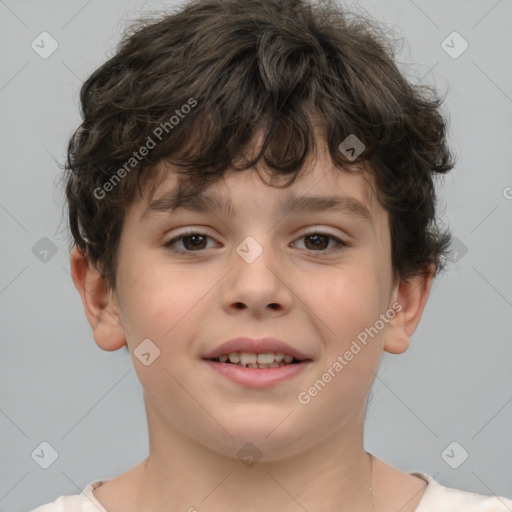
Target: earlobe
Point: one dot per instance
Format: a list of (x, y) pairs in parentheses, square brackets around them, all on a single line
[(99, 303), (411, 297)]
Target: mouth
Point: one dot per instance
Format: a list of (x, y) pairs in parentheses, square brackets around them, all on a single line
[(258, 371), (257, 363), (257, 360)]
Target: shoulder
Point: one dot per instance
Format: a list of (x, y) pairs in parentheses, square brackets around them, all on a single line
[(84, 502), (61, 504), (438, 498)]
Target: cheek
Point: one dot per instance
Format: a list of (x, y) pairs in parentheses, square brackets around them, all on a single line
[(168, 306), (347, 300), (351, 304)]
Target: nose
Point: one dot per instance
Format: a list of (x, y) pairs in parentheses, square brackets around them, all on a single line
[(257, 282)]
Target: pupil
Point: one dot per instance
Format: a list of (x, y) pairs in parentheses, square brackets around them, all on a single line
[(316, 237), (193, 245)]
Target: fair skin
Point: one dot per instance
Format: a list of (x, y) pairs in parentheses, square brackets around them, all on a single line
[(317, 299)]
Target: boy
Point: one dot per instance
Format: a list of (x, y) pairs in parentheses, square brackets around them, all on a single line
[(219, 147)]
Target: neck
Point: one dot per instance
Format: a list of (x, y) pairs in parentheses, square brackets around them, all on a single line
[(183, 474)]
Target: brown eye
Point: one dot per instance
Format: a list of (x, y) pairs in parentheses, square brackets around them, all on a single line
[(194, 242), (191, 242), (319, 242)]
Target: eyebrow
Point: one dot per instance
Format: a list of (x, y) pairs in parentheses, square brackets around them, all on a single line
[(204, 202)]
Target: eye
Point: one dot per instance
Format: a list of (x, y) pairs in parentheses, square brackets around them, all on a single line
[(195, 241), (192, 241), (319, 241)]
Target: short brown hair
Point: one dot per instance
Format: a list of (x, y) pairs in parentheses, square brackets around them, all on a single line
[(249, 67)]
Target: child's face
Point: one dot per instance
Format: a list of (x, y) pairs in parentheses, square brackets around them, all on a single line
[(318, 300)]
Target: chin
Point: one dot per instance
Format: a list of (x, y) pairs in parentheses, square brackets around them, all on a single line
[(268, 436)]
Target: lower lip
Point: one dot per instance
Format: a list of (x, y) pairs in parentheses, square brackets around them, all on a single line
[(258, 377)]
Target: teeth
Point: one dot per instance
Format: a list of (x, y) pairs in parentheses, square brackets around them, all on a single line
[(271, 365), (234, 358), (252, 360), (265, 358), (247, 358)]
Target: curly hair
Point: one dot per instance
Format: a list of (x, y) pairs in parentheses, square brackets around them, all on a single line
[(194, 87)]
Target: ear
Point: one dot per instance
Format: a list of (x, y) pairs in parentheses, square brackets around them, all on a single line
[(410, 297), (100, 304)]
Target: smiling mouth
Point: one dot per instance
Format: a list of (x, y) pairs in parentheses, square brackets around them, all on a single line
[(256, 361)]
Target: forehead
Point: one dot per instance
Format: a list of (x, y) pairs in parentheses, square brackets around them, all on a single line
[(320, 185), (320, 189)]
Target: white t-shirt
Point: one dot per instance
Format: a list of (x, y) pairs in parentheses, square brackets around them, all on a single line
[(436, 498)]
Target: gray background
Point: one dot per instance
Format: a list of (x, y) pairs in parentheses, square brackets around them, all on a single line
[(453, 384)]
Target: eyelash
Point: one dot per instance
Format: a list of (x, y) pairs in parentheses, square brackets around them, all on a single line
[(340, 243)]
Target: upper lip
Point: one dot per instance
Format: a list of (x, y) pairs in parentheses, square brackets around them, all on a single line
[(258, 346)]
